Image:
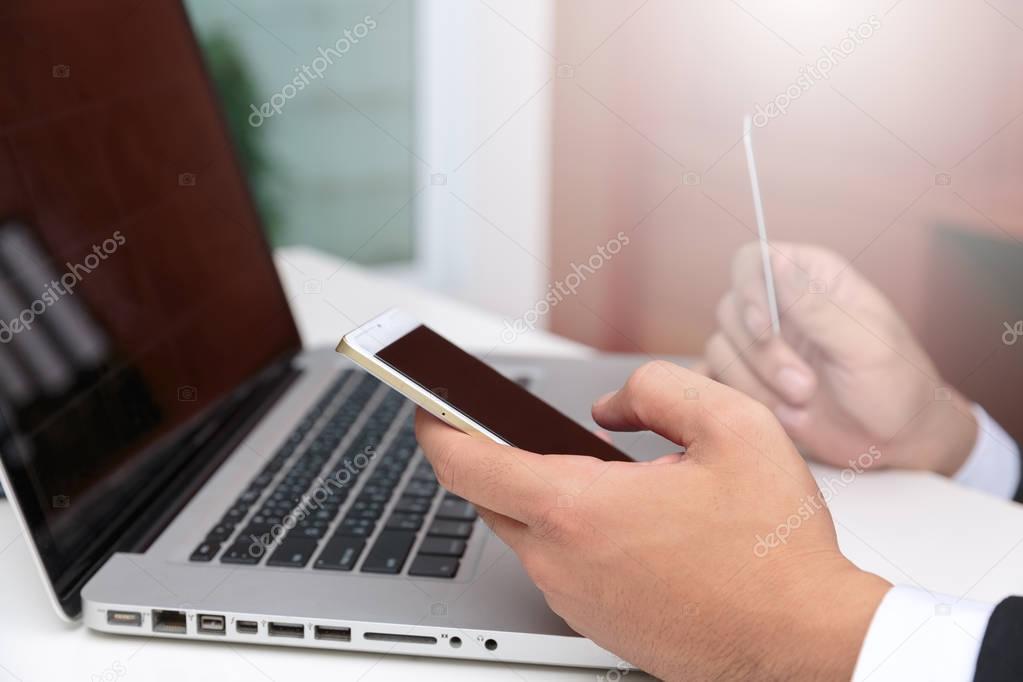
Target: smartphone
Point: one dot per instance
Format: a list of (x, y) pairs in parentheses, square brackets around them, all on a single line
[(464, 391)]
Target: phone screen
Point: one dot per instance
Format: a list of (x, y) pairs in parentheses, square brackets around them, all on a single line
[(493, 401)]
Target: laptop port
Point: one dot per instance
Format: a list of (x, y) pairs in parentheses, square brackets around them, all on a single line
[(211, 625), (169, 621), (286, 630), (247, 627), (124, 618), (333, 634), (400, 639)]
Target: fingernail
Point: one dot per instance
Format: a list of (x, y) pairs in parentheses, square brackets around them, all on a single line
[(604, 398), (756, 321), (794, 383), (791, 417)]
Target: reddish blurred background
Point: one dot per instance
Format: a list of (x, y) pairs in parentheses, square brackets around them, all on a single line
[(905, 160)]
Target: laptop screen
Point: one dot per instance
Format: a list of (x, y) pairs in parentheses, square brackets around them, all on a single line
[(137, 292)]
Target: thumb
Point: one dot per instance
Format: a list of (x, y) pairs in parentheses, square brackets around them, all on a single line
[(669, 400)]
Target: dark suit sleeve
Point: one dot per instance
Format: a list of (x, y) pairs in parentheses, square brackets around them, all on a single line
[(1001, 652)]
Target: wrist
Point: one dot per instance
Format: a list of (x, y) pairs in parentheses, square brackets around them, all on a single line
[(945, 438), (807, 621), (835, 624)]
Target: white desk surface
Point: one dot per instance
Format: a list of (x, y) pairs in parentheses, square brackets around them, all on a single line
[(910, 528)]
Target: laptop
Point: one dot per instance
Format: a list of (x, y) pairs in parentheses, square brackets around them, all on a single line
[(182, 467)]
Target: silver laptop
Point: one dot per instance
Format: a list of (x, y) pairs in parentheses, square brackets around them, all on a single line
[(183, 467)]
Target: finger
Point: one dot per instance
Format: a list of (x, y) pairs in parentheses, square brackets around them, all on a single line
[(701, 367), (513, 533), (507, 480), (669, 400), (775, 363), (816, 288), (673, 458), (732, 369), (748, 281)]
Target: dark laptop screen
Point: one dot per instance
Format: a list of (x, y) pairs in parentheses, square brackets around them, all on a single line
[(136, 289)]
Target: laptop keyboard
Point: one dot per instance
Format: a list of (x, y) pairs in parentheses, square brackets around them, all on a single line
[(364, 507)]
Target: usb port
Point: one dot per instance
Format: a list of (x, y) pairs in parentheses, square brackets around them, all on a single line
[(247, 627), (333, 634), (211, 625), (286, 630), (124, 618), (169, 621)]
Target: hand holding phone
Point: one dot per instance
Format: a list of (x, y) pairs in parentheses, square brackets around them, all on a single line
[(463, 391)]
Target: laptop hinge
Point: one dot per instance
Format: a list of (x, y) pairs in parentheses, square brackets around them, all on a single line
[(213, 444)]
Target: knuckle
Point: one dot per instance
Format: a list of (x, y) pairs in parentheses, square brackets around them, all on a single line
[(648, 375), (556, 525)]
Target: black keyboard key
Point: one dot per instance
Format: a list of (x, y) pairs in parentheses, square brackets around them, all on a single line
[(419, 488), (366, 514), (413, 505), (424, 472), (389, 552), (451, 529), (236, 514), (428, 566), (442, 546), (340, 554), (456, 509), (219, 533), (293, 553), (399, 521), (244, 551), (205, 551), (308, 532)]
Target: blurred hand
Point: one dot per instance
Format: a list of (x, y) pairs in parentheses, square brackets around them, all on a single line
[(666, 563), (846, 376)]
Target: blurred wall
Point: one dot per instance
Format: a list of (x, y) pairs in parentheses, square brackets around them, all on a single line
[(904, 157), (485, 81)]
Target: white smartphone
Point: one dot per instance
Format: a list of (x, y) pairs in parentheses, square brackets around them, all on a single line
[(464, 391)]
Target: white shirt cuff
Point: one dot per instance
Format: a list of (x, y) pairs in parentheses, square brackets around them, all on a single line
[(994, 464), (916, 635)]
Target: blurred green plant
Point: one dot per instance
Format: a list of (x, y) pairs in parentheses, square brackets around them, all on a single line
[(237, 90)]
